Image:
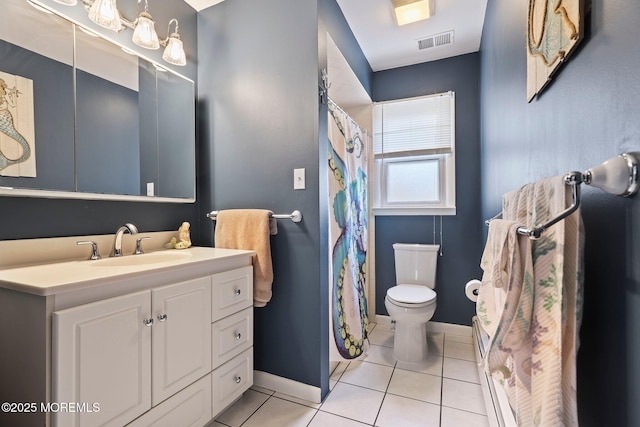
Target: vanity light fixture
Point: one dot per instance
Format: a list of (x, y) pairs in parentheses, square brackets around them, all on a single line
[(409, 11), (174, 50), (106, 14), (144, 33)]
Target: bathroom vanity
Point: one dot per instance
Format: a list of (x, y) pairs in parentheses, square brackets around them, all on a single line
[(163, 338)]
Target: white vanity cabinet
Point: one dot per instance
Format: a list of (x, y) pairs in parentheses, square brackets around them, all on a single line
[(130, 353), (127, 342)]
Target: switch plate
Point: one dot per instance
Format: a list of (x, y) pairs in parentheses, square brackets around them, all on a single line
[(298, 179), (150, 189)]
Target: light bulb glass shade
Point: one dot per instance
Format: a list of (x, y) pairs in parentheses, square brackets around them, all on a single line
[(144, 35), (174, 52), (67, 2), (105, 13)]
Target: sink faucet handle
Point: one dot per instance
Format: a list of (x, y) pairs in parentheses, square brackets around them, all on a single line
[(139, 245), (94, 249)]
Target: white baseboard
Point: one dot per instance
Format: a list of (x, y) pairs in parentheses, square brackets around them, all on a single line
[(287, 386), (438, 327)]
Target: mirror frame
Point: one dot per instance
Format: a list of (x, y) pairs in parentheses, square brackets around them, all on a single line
[(64, 194)]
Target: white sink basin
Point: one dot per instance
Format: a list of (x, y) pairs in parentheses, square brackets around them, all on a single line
[(143, 259)]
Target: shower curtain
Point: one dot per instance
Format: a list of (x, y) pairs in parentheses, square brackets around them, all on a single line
[(347, 236)]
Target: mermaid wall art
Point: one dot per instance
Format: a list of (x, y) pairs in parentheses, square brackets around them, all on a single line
[(17, 134)]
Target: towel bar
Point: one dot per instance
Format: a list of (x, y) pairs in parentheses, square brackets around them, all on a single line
[(295, 216), (618, 176)]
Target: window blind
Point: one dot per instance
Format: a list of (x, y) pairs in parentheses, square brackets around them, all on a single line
[(420, 126)]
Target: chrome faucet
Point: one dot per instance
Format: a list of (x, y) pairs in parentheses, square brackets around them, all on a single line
[(117, 243)]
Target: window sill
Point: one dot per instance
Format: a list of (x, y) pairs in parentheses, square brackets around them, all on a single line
[(417, 211)]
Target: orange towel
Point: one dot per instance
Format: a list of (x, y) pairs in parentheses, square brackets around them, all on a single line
[(250, 229)]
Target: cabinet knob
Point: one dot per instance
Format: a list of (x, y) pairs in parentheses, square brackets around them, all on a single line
[(238, 335), (162, 317), (148, 322), (238, 291), (237, 379)]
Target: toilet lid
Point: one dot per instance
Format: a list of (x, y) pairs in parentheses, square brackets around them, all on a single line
[(411, 294)]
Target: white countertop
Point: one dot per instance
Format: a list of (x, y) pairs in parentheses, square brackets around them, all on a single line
[(52, 278)]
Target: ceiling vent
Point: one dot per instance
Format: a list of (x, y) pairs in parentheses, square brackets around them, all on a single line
[(441, 39)]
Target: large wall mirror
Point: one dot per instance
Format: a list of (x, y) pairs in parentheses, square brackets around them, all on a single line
[(80, 117)]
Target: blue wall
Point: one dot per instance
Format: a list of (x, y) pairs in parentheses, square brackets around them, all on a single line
[(259, 121), (588, 114), (462, 233)]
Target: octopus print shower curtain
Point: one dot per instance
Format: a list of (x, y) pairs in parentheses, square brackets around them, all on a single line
[(347, 236)]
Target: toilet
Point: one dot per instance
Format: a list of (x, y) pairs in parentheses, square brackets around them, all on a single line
[(412, 301)]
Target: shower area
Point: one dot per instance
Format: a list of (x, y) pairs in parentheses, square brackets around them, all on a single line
[(349, 124)]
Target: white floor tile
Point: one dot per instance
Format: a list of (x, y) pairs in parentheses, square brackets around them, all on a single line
[(457, 418), (277, 413), (325, 419), (369, 375), (463, 395), (416, 385), (262, 390), (381, 355), (459, 350), (337, 373), (467, 339), (400, 411), (462, 370), (432, 365), (242, 409), (357, 403), (297, 400), (435, 343), (381, 337)]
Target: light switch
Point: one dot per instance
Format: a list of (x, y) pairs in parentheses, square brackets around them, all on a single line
[(298, 179), (150, 189)]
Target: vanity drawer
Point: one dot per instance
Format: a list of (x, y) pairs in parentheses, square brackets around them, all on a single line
[(230, 380), (231, 336), (231, 292)]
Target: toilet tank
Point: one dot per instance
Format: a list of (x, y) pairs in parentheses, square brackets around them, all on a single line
[(416, 264)]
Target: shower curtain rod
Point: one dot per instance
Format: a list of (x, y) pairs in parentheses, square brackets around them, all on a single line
[(295, 216), (618, 176), (331, 101)]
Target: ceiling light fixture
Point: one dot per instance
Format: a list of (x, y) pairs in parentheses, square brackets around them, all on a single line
[(106, 14), (409, 11)]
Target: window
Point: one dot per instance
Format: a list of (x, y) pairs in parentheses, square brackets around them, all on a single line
[(414, 156)]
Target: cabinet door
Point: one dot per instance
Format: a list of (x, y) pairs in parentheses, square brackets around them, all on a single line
[(101, 356), (181, 336)]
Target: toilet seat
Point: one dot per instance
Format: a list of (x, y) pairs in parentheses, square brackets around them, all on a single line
[(411, 295)]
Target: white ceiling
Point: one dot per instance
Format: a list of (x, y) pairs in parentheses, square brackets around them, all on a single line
[(386, 45), (202, 4)]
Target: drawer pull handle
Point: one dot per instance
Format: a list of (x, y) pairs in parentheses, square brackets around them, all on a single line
[(162, 317), (238, 336), (238, 292), (237, 379), (148, 322)]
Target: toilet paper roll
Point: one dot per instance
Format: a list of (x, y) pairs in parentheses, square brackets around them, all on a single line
[(471, 289)]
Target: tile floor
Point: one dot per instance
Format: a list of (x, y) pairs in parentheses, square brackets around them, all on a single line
[(379, 392)]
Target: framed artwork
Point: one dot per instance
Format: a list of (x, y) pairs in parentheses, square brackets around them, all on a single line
[(17, 132), (554, 29)]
